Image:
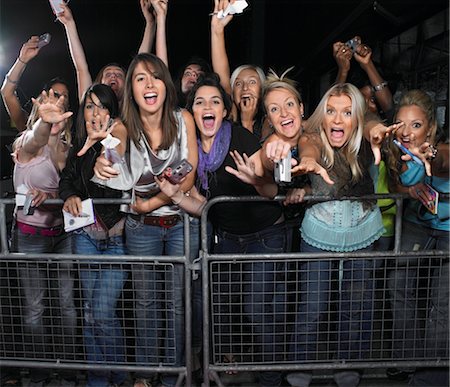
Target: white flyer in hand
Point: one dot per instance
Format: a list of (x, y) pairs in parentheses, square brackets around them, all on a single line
[(237, 7), (21, 194), (86, 217), (110, 143)]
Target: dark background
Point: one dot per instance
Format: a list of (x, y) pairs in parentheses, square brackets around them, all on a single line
[(270, 33)]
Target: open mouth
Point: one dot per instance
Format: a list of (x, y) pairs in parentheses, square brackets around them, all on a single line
[(337, 134), (150, 98), (208, 120)]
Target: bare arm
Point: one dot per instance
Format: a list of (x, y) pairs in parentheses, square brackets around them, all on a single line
[(84, 79), (150, 27), (51, 111), (160, 7), (383, 95), (12, 104), (342, 55), (219, 55)]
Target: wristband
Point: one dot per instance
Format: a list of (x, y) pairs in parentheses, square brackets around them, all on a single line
[(21, 61), (380, 86)]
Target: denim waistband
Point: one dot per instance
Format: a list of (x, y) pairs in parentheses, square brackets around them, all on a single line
[(254, 236)]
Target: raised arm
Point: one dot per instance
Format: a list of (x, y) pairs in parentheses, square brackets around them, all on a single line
[(150, 27), (160, 7), (343, 56), (383, 95), (51, 112), (84, 79), (12, 104), (219, 55)]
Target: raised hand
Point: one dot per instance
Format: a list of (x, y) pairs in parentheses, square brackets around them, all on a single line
[(310, 165), (245, 169), (377, 134), (66, 15), (216, 23), (342, 55), (29, 50), (50, 108), (96, 130), (160, 7)]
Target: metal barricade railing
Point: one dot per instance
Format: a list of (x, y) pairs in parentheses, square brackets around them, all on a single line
[(251, 329), (60, 348), (227, 297)]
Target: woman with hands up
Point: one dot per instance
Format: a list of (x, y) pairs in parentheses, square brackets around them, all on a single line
[(40, 154), (244, 84)]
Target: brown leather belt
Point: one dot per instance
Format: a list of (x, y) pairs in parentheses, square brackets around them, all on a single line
[(166, 221)]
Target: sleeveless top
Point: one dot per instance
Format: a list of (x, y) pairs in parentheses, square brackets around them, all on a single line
[(343, 225), (138, 171), (39, 173)]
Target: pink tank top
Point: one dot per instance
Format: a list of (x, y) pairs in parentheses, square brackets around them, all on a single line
[(39, 173)]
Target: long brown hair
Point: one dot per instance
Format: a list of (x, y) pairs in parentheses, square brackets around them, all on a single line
[(130, 109)]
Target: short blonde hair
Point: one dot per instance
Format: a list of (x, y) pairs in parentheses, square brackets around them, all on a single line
[(273, 81)]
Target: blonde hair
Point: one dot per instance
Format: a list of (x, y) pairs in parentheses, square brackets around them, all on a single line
[(273, 81), (238, 70), (424, 102), (351, 148)]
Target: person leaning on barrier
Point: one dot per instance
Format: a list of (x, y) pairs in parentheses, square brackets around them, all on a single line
[(39, 155), (221, 144), (422, 230), (339, 226), (102, 284), (160, 136), (379, 101)]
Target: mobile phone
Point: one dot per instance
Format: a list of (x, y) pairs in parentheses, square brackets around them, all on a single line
[(353, 44), (44, 39), (405, 150), (56, 6), (174, 175), (28, 209), (432, 204)]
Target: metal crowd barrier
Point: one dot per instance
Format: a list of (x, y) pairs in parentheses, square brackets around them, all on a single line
[(235, 340), (232, 309), (61, 348)]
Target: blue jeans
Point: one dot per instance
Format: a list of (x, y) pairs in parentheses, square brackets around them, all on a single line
[(36, 285), (102, 286), (264, 292), (402, 284), (355, 306), (159, 292)]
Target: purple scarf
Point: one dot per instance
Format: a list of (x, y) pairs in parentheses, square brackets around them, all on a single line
[(210, 162)]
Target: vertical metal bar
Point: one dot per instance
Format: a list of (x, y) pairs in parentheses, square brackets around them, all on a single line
[(398, 225), (3, 233), (187, 301)]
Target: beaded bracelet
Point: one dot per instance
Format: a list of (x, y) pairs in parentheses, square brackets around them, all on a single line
[(380, 86)]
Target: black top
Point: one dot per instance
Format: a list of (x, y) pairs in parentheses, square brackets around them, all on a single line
[(239, 217), (76, 180)]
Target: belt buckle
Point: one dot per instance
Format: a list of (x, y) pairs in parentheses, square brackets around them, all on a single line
[(164, 222)]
